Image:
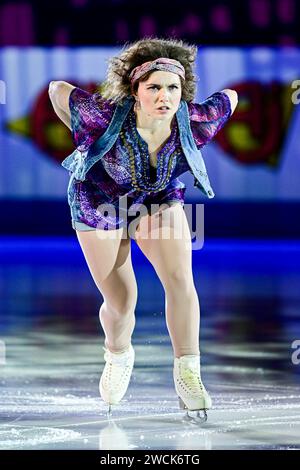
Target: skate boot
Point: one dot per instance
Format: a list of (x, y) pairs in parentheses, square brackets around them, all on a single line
[(191, 392), (116, 375)]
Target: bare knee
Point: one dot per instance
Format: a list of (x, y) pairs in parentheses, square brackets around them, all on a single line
[(179, 280), (122, 304)]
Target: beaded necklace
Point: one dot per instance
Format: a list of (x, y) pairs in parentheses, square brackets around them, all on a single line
[(163, 177)]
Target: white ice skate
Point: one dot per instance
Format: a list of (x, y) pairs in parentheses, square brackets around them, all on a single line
[(191, 392), (116, 375)]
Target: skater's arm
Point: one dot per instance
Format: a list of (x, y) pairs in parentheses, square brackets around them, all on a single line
[(59, 93), (233, 97), (208, 117), (86, 114)]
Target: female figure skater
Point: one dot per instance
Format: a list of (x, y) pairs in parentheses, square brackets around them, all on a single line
[(133, 141)]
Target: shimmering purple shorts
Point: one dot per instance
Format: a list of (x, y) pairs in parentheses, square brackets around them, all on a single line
[(83, 227)]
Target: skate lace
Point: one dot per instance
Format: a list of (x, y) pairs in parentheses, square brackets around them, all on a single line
[(192, 379)]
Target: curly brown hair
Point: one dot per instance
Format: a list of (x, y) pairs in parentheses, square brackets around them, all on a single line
[(117, 85)]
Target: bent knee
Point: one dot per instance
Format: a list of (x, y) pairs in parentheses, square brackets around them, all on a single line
[(180, 277), (122, 304)]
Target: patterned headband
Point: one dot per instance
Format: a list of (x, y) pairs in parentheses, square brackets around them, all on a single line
[(162, 63)]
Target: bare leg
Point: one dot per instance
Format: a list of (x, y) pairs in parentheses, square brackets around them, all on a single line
[(109, 262), (172, 261)]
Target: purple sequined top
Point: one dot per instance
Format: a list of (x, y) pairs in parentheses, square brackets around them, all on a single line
[(127, 164)]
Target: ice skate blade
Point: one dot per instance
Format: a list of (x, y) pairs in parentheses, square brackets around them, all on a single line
[(196, 416), (109, 411)]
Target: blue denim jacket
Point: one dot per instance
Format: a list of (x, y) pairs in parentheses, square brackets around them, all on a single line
[(81, 162)]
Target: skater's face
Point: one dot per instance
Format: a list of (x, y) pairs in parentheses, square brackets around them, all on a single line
[(160, 89)]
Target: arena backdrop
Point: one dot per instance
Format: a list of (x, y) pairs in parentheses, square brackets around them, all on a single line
[(256, 156)]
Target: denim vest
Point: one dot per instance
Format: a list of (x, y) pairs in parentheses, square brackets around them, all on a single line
[(81, 162)]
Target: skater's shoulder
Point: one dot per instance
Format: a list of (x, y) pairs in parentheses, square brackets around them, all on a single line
[(92, 104), (91, 115)]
